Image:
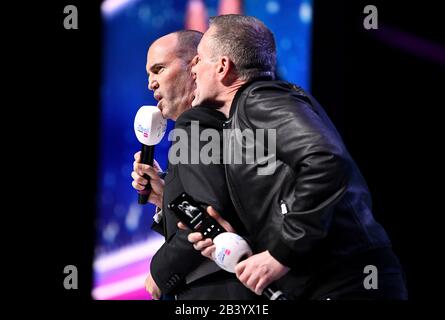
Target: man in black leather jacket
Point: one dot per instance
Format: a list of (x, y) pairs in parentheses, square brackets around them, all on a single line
[(305, 205), (177, 269)]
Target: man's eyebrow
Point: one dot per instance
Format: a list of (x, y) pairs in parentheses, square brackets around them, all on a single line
[(155, 66)]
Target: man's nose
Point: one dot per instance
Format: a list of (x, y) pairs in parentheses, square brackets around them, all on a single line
[(153, 84)]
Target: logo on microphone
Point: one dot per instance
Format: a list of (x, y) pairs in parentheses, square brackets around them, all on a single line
[(222, 254), (142, 130)]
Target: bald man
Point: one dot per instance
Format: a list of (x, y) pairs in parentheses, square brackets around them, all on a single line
[(177, 269)]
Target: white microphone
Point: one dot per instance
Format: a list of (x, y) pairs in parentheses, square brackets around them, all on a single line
[(149, 127), (230, 249)]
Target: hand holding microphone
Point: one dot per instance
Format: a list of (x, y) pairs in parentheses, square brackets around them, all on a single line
[(156, 182), (233, 254), (149, 127)]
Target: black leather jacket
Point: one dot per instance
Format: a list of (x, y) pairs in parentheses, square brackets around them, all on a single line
[(315, 180)]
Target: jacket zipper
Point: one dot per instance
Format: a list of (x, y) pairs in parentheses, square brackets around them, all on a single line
[(283, 206)]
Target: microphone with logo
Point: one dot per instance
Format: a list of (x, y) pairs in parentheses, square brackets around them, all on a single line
[(230, 249), (149, 127)]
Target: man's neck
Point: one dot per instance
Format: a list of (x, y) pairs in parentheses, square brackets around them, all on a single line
[(229, 95)]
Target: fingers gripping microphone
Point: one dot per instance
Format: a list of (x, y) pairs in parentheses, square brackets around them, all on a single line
[(149, 127), (232, 249)]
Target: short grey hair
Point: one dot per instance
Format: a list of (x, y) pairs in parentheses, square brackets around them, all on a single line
[(248, 43)]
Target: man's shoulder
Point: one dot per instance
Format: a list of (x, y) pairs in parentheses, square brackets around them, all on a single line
[(272, 87), (270, 93), (262, 99)]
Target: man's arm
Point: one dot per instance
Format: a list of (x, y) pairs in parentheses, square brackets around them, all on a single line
[(156, 182), (307, 143), (174, 260), (157, 187), (176, 257), (256, 272)]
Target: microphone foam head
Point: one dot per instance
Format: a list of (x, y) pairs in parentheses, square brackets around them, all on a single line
[(149, 125), (230, 249)]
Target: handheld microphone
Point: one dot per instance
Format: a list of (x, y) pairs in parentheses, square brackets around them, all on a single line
[(149, 127), (232, 249)]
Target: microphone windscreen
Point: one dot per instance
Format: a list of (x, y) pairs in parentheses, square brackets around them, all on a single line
[(230, 249)]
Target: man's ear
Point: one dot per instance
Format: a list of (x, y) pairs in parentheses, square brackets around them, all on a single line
[(225, 69)]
